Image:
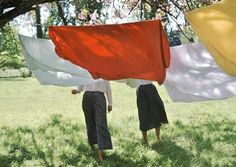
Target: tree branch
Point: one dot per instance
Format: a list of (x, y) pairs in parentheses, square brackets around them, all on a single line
[(176, 5), (173, 18), (141, 10), (197, 4), (9, 3), (188, 5), (157, 6), (20, 7), (38, 22), (61, 13), (134, 7)]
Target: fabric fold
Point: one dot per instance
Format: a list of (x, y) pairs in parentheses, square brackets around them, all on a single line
[(48, 68), (40, 54), (194, 76), (132, 50), (216, 27), (61, 78)]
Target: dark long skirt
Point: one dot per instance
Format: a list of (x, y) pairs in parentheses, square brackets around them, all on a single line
[(151, 110), (94, 107)]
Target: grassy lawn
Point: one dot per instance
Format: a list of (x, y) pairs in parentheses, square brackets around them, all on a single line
[(44, 126)]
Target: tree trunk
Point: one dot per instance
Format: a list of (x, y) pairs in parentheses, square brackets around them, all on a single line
[(38, 22), (18, 7), (61, 13)]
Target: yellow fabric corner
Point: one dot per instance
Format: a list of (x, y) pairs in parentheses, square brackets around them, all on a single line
[(216, 28)]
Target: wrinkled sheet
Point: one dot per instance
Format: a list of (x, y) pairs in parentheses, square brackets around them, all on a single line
[(194, 76), (132, 50)]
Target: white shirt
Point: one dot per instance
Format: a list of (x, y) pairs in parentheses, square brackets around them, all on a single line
[(102, 86), (135, 83), (144, 82)]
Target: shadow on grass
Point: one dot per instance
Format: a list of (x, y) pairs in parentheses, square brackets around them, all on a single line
[(7, 160), (169, 151), (115, 160), (59, 143), (20, 150)]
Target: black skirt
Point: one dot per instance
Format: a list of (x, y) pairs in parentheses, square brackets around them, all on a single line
[(151, 110)]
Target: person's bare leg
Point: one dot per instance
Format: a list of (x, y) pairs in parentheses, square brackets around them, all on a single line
[(158, 133), (144, 133), (100, 155)]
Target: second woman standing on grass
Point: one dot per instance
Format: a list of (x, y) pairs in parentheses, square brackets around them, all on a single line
[(151, 110)]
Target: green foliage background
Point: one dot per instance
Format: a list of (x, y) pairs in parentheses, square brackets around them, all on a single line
[(10, 51)]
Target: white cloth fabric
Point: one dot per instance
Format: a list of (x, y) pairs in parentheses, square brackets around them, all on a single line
[(60, 78), (49, 68), (103, 86), (41, 52), (194, 76)]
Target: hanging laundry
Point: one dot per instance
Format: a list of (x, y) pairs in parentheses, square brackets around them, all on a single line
[(61, 78), (132, 50), (194, 76), (40, 52), (50, 69), (216, 27)]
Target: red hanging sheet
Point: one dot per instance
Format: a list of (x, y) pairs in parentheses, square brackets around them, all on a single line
[(132, 50)]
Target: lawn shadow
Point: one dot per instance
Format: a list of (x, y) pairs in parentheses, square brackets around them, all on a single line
[(114, 160), (58, 142), (27, 144), (18, 151), (170, 151), (12, 157)]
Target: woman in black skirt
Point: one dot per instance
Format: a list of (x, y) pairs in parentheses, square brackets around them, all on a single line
[(151, 110)]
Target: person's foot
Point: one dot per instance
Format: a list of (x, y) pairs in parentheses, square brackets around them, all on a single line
[(92, 147), (158, 138), (157, 133), (145, 139), (146, 144), (100, 157)]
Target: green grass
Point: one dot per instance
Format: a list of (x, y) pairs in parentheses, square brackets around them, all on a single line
[(44, 126)]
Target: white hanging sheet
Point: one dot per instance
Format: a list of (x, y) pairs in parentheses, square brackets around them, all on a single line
[(194, 76)]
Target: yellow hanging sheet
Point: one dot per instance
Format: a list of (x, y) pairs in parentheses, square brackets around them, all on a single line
[(216, 28)]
